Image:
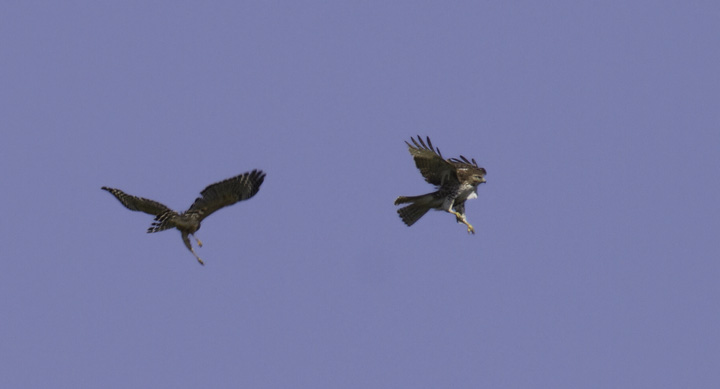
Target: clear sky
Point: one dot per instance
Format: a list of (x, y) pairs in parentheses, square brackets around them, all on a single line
[(595, 263)]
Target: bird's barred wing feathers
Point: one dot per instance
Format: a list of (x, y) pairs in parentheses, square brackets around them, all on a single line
[(135, 203), (227, 192)]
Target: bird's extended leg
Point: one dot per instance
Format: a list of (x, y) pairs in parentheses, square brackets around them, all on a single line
[(186, 240), (448, 207), (198, 240), (461, 219)]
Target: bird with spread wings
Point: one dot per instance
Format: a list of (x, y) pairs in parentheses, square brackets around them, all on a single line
[(456, 180), (218, 195)]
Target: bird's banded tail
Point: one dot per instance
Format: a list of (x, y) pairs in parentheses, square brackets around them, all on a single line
[(413, 212), (162, 222)]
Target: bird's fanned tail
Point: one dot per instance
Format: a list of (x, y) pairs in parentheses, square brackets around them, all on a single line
[(162, 222), (413, 212)]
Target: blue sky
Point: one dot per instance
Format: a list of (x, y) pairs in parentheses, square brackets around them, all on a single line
[(595, 262)]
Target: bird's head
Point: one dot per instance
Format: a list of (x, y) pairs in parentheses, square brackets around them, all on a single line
[(478, 177)]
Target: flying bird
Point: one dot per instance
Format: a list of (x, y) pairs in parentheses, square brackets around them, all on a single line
[(218, 195), (456, 180)]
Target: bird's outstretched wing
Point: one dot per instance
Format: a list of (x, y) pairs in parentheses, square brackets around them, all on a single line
[(227, 192), (135, 203), (431, 163)]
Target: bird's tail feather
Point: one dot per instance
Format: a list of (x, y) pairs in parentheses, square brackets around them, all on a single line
[(412, 213), (419, 207), (422, 199), (162, 222)]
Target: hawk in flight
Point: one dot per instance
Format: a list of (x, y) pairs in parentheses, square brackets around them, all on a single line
[(218, 195), (456, 180)]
